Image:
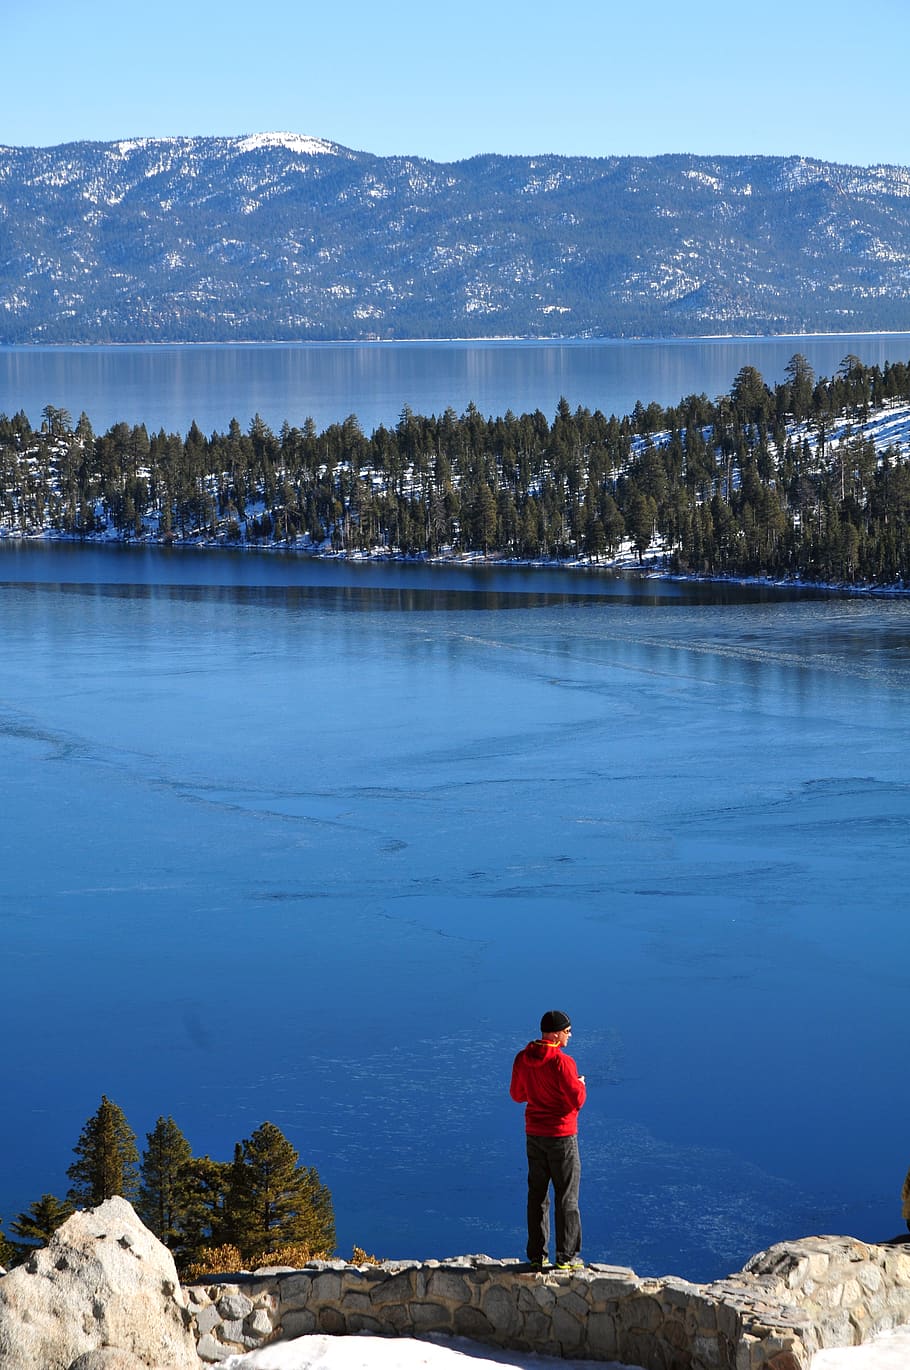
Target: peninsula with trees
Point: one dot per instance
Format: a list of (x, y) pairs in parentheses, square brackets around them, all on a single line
[(804, 481)]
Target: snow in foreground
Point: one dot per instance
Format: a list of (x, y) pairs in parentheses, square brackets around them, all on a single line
[(365, 1352), (890, 1351)]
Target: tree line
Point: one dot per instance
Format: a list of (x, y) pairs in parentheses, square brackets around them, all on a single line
[(777, 480), (262, 1205)]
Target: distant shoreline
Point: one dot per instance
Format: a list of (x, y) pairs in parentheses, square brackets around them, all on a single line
[(542, 340)]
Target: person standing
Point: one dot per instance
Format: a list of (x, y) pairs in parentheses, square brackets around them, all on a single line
[(547, 1081)]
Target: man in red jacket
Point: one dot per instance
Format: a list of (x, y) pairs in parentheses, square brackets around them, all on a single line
[(547, 1080)]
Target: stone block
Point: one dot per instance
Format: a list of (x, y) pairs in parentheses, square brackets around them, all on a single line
[(398, 1288), (259, 1323), (524, 1298), (641, 1348), (206, 1319), (544, 1295), (297, 1322), (851, 1293), (701, 1316), (210, 1350), (231, 1330), (357, 1303), (449, 1285), (430, 1317), (797, 1273), (600, 1336), (870, 1277), (330, 1320), (470, 1322), (568, 1331), (361, 1322), (610, 1288), (501, 1307), (674, 1334), (644, 1314), (358, 1276), (729, 1321), (326, 1287), (234, 1306), (573, 1303), (295, 1290), (397, 1316), (709, 1353), (744, 1351), (535, 1329)]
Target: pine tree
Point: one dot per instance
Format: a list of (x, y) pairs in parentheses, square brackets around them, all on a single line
[(273, 1201), (8, 1255), (107, 1158), (41, 1220), (166, 1182), (204, 1223)]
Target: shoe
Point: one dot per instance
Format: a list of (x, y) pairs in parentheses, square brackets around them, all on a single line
[(576, 1264), (538, 1266)]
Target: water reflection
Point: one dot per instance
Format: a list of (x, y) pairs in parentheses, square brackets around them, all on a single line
[(93, 564), (170, 386)]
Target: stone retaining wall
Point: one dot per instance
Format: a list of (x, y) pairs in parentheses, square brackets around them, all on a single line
[(787, 1303)]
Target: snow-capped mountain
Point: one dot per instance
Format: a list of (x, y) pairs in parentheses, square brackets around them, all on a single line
[(283, 236)]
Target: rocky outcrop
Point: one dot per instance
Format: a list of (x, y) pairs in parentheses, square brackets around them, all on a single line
[(787, 1303), (103, 1295)]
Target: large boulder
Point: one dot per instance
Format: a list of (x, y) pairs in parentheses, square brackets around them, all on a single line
[(103, 1292)]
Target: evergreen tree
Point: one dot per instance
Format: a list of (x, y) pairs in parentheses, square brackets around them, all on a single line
[(39, 1223), (8, 1254), (107, 1159), (166, 1182), (272, 1200), (204, 1222)]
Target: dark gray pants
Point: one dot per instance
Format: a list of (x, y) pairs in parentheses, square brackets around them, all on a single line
[(553, 1160)]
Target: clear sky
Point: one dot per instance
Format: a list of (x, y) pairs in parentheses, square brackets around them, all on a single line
[(595, 77)]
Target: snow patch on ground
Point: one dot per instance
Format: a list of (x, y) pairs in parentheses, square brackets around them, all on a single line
[(366, 1352), (294, 142), (889, 1351)]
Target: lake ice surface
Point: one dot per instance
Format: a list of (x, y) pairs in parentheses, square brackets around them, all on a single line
[(319, 847)]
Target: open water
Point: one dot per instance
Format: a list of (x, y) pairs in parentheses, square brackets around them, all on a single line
[(169, 387), (318, 843)]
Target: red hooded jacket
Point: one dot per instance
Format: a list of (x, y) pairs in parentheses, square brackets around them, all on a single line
[(545, 1079)]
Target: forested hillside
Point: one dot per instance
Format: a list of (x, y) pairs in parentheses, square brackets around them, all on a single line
[(278, 236), (808, 479)]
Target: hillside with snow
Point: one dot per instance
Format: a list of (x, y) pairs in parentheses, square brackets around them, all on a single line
[(291, 237)]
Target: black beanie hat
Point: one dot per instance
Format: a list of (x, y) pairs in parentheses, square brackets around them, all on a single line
[(554, 1021)]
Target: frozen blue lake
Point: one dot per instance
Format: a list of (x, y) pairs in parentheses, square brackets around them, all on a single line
[(317, 844)]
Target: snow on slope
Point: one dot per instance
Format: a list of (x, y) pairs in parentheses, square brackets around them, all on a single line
[(294, 142), (890, 1351)]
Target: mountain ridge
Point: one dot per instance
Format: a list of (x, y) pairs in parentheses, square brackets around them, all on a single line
[(284, 237)]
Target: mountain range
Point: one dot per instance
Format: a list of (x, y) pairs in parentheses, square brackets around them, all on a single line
[(285, 237)]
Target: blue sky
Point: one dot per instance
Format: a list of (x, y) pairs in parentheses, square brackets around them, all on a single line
[(593, 77)]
